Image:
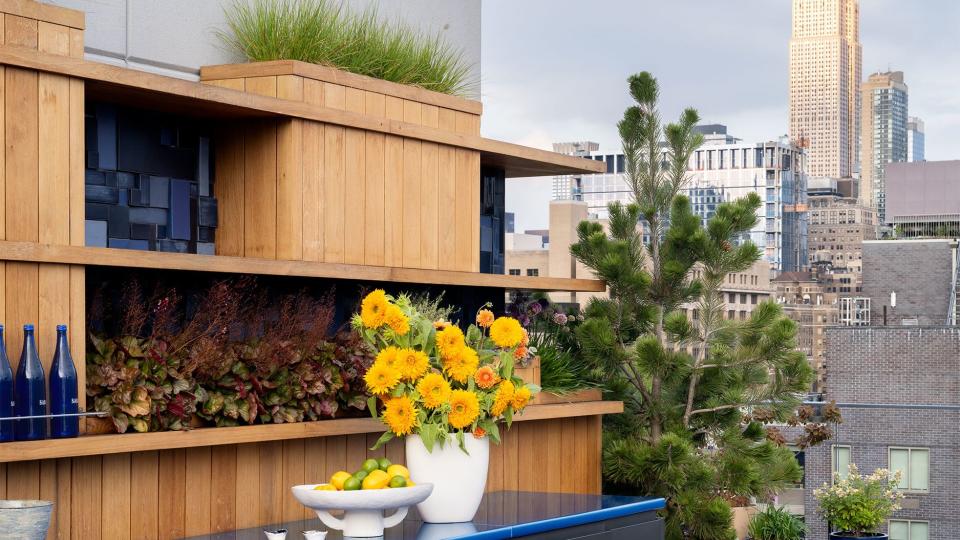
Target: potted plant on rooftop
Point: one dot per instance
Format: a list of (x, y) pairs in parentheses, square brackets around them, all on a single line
[(325, 32), (445, 391), (775, 523), (857, 505)]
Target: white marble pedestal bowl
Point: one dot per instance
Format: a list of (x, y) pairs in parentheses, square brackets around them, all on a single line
[(363, 509)]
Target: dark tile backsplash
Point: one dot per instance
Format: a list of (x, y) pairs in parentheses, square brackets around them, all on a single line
[(149, 181)]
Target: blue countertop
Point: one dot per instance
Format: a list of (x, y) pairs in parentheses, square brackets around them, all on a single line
[(502, 515)]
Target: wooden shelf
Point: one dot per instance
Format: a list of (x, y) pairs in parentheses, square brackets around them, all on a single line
[(158, 92), (95, 256), (140, 442)]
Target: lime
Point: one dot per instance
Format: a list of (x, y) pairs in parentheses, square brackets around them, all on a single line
[(339, 478), (384, 463), (370, 465), (351, 484), (398, 482), (360, 475)]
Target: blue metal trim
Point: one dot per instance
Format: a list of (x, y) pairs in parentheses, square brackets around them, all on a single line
[(534, 527)]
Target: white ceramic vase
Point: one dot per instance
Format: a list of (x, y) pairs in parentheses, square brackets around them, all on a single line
[(458, 478)]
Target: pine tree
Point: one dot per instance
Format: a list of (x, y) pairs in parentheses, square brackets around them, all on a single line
[(698, 392)]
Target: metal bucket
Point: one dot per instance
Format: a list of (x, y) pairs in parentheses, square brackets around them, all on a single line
[(26, 520)]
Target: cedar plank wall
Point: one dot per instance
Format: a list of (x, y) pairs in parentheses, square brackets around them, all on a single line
[(404, 203), (176, 493), (41, 200), (343, 195)]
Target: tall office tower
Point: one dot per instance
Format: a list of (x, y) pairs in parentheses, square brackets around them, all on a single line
[(825, 84), (884, 135), (567, 188), (915, 139)]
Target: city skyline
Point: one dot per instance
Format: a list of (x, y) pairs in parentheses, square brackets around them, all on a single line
[(753, 104)]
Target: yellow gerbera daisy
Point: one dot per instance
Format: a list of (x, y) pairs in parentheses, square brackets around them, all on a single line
[(461, 365), (373, 309), (486, 377), (503, 398), (397, 321), (400, 416), (381, 378), (506, 332), (450, 340), (434, 389), (412, 364), (464, 408), (484, 318), (520, 398)]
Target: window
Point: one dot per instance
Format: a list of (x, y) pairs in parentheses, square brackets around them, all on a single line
[(753, 298), (730, 314), (533, 272), (901, 529), (743, 298), (841, 460), (732, 298), (914, 465), (514, 272)]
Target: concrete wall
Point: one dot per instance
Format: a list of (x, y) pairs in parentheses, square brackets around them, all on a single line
[(922, 188), (176, 37), (917, 270), (918, 370)]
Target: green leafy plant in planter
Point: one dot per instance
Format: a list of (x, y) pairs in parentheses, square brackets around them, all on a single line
[(325, 32), (237, 360), (857, 506), (776, 524)]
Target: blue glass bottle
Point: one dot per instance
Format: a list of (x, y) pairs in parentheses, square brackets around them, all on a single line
[(6, 392), (30, 391), (63, 389)]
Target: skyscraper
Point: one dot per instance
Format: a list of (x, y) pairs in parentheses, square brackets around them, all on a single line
[(825, 69), (883, 135), (915, 139)]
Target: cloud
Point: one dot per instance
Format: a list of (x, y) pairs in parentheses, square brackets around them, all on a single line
[(555, 70)]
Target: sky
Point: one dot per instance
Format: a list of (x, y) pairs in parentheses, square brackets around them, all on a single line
[(555, 70)]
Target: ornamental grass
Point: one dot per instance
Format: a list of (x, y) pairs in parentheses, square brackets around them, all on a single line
[(323, 32)]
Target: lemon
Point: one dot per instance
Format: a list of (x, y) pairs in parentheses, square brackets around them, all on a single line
[(398, 470), (376, 480), (351, 484), (339, 478), (384, 464), (325, 487), (370, 465), (398, 482)]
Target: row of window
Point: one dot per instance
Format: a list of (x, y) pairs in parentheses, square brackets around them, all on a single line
[(532, 272), (912, 463)]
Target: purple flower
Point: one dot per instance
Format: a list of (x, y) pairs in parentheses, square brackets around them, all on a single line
[(536, 308), (560, 319)]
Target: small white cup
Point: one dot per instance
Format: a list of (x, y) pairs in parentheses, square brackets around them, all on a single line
[(279, 534), (314, 535)]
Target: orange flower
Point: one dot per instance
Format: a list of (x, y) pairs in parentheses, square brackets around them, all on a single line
[(526, 338), (520, 398), (485, 318), (479, 433), (486, 377), (520, 353), (440, 325)]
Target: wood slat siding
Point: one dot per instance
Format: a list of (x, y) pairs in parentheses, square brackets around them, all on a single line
[(330, 193), (171, 493), (43, 201)]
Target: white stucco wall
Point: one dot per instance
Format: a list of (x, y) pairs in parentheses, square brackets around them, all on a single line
[(176, 37)]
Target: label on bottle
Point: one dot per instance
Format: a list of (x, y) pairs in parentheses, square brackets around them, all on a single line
[(74, 401), (42, 402), (13, 403)]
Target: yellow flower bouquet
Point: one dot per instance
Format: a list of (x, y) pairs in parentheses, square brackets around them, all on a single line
[(436, 381)]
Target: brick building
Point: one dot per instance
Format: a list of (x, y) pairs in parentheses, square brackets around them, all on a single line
[(899, 390)]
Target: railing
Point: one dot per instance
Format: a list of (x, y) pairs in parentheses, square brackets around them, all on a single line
[(952, 308)]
